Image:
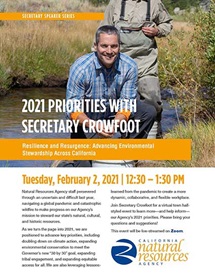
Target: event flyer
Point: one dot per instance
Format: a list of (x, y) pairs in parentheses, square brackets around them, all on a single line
[(154, 220)]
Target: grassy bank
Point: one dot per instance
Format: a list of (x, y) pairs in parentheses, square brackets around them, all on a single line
[(203, 145), (37, 50)]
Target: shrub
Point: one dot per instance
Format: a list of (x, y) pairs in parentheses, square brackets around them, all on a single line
[(187, 65), (98, 2)]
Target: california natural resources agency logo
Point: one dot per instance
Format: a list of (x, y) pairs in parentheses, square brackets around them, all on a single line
[(149, 251)]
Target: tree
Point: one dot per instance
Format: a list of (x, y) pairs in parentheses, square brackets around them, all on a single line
[(182, 4), (98, 2)]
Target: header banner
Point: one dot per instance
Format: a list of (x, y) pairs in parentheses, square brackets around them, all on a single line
[(95, 149), (51, 16)]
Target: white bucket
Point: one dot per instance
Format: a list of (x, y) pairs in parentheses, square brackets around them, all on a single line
[(113, 164), (153, 132)]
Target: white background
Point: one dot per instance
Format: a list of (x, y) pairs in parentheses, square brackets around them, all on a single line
[(199, 231)]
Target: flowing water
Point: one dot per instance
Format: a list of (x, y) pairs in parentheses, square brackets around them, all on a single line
[(11, 117)]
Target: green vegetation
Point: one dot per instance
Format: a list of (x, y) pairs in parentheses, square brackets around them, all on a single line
[(98, 2), (182, 4), (187, 65), (203, 145), (43, 50)]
